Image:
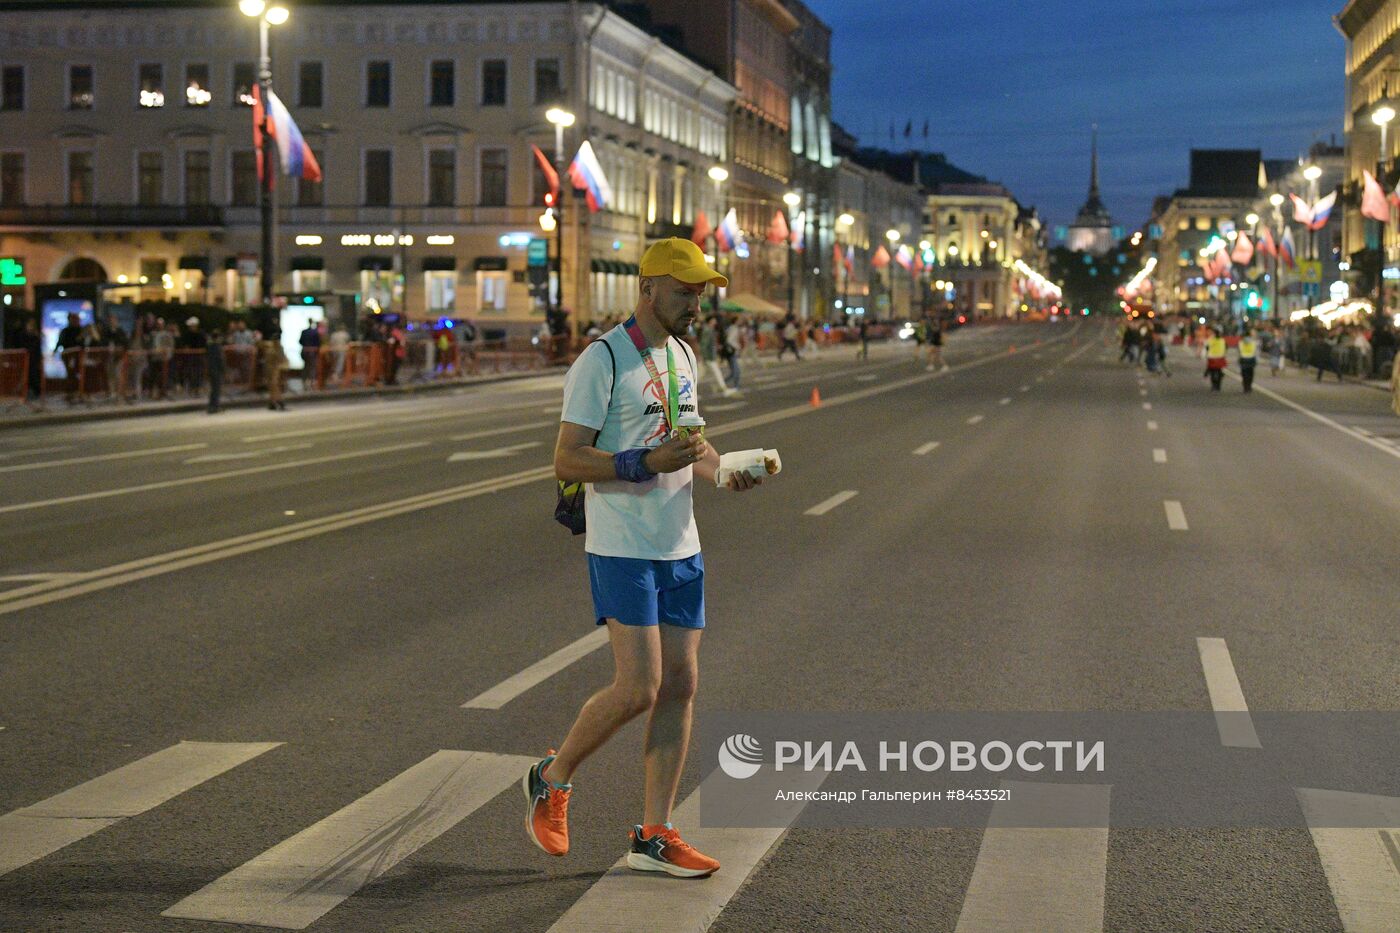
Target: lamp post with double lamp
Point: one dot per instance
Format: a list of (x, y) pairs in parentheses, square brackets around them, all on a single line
[(1382, 117), (1276, 201), (719, 175), (844, 222), (560, 118), (1312, 173), (893, 236), (267, 17), (791, 199), (925, 277)]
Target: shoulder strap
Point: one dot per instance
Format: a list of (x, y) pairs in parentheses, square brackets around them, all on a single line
[(612, 383), (690, 354)]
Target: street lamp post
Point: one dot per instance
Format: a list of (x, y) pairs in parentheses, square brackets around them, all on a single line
[(1276, 200), (1382, 116), (893, 236), (791, 199), (845, 222), (1312, 173), (560, 118), (718, 174), (266, 17)]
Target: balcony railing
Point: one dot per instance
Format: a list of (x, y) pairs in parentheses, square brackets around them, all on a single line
[(111, 215)]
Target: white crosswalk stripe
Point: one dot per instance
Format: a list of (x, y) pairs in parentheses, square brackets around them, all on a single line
[(33, 832), (296, 882), (1358, 841), (1035, 878)]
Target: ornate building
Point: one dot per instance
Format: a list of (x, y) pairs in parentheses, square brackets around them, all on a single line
[(1092, 230)]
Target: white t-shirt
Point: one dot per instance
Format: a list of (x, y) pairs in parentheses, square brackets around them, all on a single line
[(652, 520)]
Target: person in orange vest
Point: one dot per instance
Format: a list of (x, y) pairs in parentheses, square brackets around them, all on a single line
[(1215, 359)]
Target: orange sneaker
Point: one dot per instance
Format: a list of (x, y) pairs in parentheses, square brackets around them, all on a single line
[(660, 848), (546, 809)]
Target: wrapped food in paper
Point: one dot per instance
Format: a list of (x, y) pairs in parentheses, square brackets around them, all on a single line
[(757, 463)]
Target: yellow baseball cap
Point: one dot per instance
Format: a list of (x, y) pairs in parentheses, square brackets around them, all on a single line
[(680, 259)]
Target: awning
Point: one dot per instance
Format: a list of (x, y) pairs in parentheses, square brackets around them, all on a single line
[(376, 263), (197, 263), (308, 263), (439, 263), (755, 305), (490, 264)]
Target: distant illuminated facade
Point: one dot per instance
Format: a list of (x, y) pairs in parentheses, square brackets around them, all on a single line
[(1092, 230)]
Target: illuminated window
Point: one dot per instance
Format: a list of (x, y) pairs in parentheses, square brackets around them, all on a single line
[(152, 82), (81, 94), (1203, 222), (244, 77)]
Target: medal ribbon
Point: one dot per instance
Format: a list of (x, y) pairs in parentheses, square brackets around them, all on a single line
[(673, 393)]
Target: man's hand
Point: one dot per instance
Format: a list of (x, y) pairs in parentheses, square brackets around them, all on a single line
[(676, 454), (741, 480)]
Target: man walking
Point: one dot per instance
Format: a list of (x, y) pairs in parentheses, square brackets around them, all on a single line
[(1215, 360), (1248, 351), (789, 333), (618, 435)]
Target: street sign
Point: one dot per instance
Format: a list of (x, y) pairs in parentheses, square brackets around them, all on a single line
[(11, 271), (1310, 271), (537, 253)]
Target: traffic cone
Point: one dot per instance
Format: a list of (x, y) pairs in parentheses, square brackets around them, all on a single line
[(1012, 349), (816, 398)]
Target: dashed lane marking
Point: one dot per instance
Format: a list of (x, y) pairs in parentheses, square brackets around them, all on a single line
[(975, 419), (101, 458), (1176, 515), (821, 508), (540, 671), (928, 448), (1159, 455), (1232, 718), (1151, 425)]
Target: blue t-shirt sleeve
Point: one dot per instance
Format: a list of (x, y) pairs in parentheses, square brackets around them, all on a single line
[(588, 388)]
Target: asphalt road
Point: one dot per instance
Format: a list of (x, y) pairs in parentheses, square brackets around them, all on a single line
[(332, 580)]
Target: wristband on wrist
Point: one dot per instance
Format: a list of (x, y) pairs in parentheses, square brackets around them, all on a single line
[(630, 467)]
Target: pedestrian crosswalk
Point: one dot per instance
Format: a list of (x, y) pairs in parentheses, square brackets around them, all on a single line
[(1025, 877)]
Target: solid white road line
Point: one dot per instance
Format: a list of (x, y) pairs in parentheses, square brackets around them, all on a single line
[(101, 458), (294, 883), (38, 577), (628, 901), (975, 419), (33, 832), (1357, 837), (868, 377), (1005, 401), (822, 508), (540, 671), (1151, 425), (1176, 515), (473, 435), (247, 454), (34, 451), (1373, 442), (1146, 406), (495, 454), (1037, 878), (1232, 718), (926, 448), (207, 477), (1159, 455), (393, 420)]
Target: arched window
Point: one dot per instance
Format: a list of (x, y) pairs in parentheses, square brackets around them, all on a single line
[(83, 269)]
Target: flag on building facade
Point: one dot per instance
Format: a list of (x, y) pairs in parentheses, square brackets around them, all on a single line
[(727, 236), (904, 257), (850, 259), (292, 150), (778, 229), (799, 232), (837, 259), (1373, 203), (550, 175), (1285, 247), (880, 258), (1322, 210), (702, 230), (587, 175), (1265, 246), (1301, 212), (1243, 253)]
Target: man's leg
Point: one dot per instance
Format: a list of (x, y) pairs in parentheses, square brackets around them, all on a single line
[(668, 729), (637, 660)]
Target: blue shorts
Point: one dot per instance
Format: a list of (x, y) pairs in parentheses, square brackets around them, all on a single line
[(635, 591)]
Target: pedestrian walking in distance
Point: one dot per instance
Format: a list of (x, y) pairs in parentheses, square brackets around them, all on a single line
[(618, 435), (214, 366), (1215, 360), (1248, 351), (789, 337)]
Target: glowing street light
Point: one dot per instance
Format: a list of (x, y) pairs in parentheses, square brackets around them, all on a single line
[(892, 235), (792, 199), (267, 17), (845, 220), (1312, 172), (1251, 218), (278, 15), (552, 221), (1276, 199), (718, 174)]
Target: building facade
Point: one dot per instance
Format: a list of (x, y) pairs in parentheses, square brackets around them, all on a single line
[(1224, 186), (1092, 230), (126, 148), (1372, 32)]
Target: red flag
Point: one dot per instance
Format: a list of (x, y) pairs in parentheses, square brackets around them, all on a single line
[(918, 262), (836, 257), (778, 230), (1266, 243), (850, 260), (258, 118), (1302, 213), (550, 175), (1373, 203), (1243, 253), (702, 230), (881, 258)]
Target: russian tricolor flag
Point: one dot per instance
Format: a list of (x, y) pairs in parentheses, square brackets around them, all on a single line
[(727, 236), (587, 175), (1285, 247), (292, 149)]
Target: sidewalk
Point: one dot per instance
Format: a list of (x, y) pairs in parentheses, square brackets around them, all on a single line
[(58, 411)]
